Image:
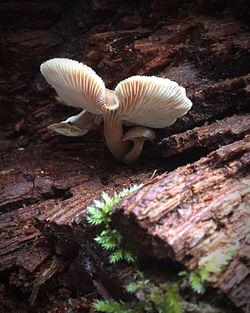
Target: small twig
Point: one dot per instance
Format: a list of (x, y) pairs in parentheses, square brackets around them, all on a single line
[(153, 174), (102, 290)]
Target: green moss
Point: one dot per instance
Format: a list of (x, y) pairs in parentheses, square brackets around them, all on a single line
[(109, 238)]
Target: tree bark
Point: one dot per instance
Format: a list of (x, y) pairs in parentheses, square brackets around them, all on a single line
[(194, 214), (207, 137), (47, 181)]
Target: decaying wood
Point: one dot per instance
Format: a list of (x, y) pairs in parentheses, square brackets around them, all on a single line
[(187, 52), (37, 15), (235, 282), (53, 226), (195, 213), (47, 181), (60, 193), (17, 233), (208, 137)]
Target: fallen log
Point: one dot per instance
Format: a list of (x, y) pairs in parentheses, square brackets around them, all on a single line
[(195, 213), (43, 197), (193, 51), (235, 281), (43, 209), (21, 243), (37, 15), (208, 137)]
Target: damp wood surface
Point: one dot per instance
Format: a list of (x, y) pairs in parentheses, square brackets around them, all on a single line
[(47, 181), (196, 213), (208, 137)]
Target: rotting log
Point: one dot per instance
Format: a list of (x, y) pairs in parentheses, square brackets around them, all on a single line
[(193, 51), (235, 281), (207, 55), (55, 190), (21, 243), (37, 15), (208, 137), (46, 181), (196, 213), (43, 206)]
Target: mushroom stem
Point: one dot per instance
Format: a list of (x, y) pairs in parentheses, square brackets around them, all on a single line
[(83, 120), (132, 156), (138, 135), (113, 133)]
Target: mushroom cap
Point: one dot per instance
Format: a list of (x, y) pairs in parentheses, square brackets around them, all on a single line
[(67, 129), (151, 101), (76, 125), (139, 132), (76, 84)]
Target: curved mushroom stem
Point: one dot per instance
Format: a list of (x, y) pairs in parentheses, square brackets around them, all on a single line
[(77, 125), (113, 133), (131, 157), (83, 120), (138, 135)]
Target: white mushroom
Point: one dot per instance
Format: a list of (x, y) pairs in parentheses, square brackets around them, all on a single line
[(138, 135), (146, 101), (77, 125), (151, 101), (139, 100)]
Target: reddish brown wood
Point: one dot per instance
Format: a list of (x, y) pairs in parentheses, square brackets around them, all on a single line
[(21, 243), (238, 286), (208, 137), (37, 15), (195, 213), (47, 181)]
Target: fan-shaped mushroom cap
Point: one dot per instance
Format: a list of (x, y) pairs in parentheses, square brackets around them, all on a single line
[(77, 125), (76, 84), (151, 101), (67, 129)]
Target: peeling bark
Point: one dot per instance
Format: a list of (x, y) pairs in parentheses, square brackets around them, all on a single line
[(195, 213), (47, 181), (208, 137)]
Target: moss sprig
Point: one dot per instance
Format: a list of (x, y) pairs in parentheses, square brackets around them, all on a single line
[(160, 299), (111, 306), (200, 276), (109, 238)]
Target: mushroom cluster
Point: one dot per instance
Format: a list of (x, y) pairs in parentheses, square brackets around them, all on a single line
[(139, 101)]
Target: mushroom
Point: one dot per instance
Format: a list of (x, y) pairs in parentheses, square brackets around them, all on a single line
[(138, 135), (139, 100), (144, 101), (77, 125)]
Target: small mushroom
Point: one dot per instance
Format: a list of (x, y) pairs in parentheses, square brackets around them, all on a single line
[(139, 100), (138, 135), (145, 101), (77, 125), (67, 129)]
